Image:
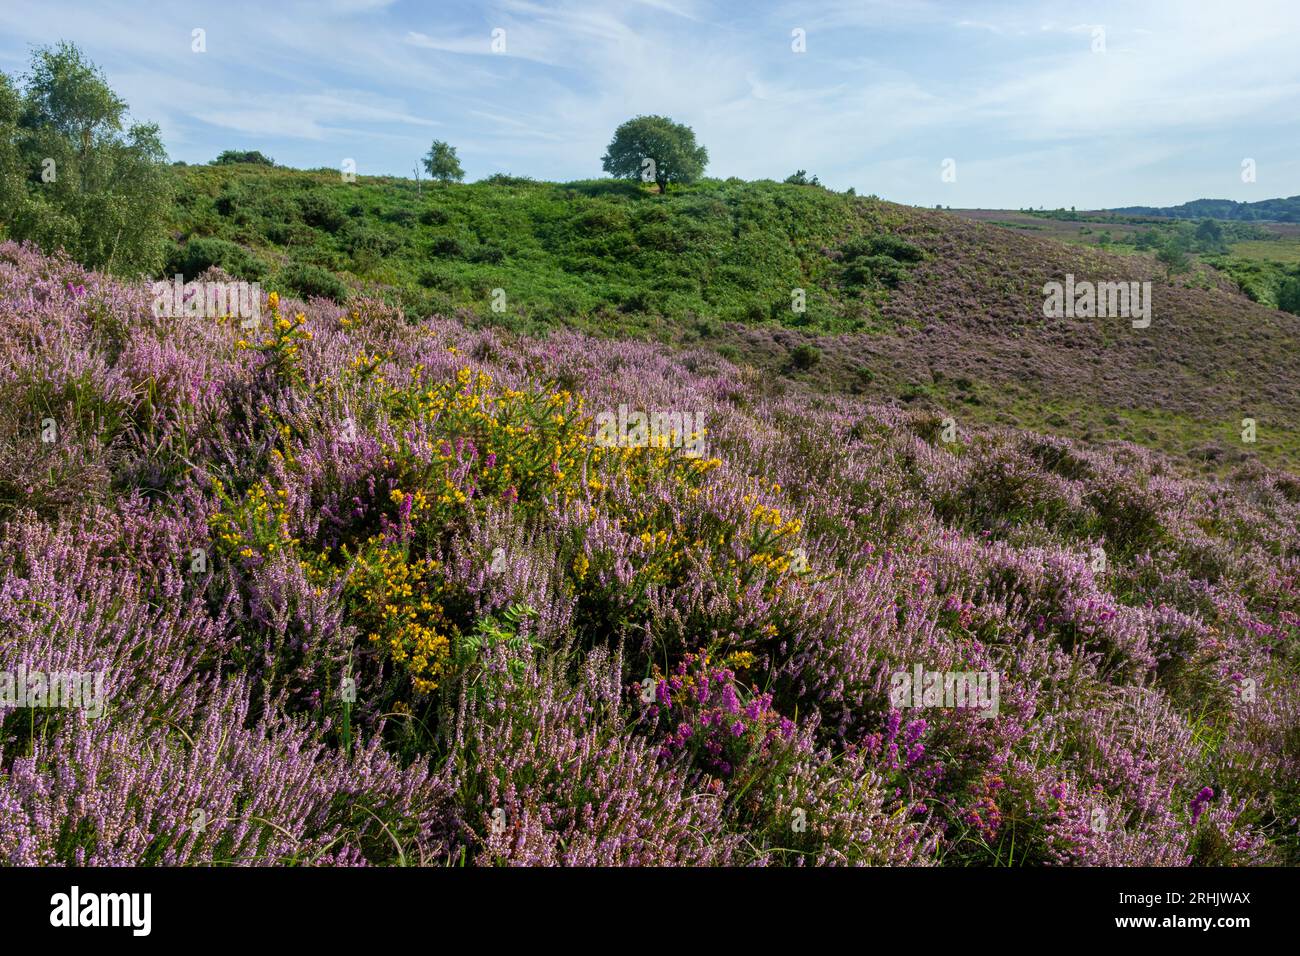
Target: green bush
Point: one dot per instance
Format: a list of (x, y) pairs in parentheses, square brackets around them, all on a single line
[(805, 356), (357, 238), (873, 261), (489, 254), (1288, 296), (197, 255), (447, 247), (321, 212), (309, 282)]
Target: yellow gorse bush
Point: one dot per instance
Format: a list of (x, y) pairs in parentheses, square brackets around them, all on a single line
[(393, 599)]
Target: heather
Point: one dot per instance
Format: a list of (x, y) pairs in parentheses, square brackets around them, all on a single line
[(367, 589)]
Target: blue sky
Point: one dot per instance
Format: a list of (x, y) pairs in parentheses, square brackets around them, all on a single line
[(1013, 92)]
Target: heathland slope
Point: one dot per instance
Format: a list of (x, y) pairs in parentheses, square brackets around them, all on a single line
[(849, 293)]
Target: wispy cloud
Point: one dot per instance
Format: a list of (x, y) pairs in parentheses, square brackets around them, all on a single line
[(1013, 90)]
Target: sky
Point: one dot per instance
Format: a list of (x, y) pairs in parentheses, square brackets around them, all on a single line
[(965, 103)]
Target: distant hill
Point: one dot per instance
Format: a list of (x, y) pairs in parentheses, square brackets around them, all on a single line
[(1275, 210)]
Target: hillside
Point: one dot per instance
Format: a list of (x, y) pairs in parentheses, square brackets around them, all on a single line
[(603, 255), (904, 304), (370, 591)]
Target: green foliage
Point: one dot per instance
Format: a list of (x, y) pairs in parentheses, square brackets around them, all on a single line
[(1172, 254), (1288, 295), (73, 177), (800, 178), (441, 163), (252, 156), (321, 211), (805, 356), (655, 148), (600, 255), (1277, 210), (12, 187), (872, 261), (1209, 236), (308, 281), (471, 650), (201, 253)]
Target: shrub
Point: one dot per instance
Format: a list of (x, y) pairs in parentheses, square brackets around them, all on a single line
[(805, 356), (308, 281), (447, 247), (200, 254), (319, 211), (1288, 296)]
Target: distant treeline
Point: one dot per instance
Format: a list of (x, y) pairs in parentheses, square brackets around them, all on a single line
[(1274, 210)]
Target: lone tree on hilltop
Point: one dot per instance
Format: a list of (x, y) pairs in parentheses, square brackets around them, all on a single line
[(655, 149), (441, 163)]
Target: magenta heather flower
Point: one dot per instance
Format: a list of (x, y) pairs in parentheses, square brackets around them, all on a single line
[(1199, 801)]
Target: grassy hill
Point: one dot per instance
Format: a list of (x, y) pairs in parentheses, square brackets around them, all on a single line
[(598, 255), (921, 307)]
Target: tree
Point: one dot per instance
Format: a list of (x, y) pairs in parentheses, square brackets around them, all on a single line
[(1146, 239), (800, 178), (1172, 254), (12, 186), (87, 185), (441, 163), (1288, 296), (230, 157), (1209, 236), (654, 148)]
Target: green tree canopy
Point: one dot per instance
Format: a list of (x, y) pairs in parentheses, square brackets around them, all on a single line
[(441, 163), (230, 157), (1209, 236), (1172, 254), (1288, 295), (654, 148), (11, 177), (74, 177)]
